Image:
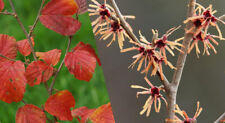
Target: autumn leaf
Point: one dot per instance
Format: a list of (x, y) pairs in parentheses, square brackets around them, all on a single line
[(60, 7), (24, 47), (51, 57), (57, 16), (7, 47), (1, 5), (82, 114), (103, 114), (30, 114), (37, 72), (59, 105), (12, 81), (82, 6), (81, 62)]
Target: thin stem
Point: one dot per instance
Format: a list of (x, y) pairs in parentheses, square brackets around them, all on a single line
[(60, 67), (123, 23), (7, 13), (180, 63), (221, 119), (7, 58), (37, 19), (222, 17), (23, 28)]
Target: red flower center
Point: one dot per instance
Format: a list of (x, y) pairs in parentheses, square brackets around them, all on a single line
[(155, 91), (207, 14), (105, 12), (115, 26), (160, 43), (198, 23)]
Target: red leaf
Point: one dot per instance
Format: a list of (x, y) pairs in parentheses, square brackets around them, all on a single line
[(82, 6), (37, 72), (24, 47), (1, 5), (60, 7), (59, 105), (51, 57), (7, 47), (82, 113), (82, 61), (12, 81), (30, 114), (103, 114), (64, 25)]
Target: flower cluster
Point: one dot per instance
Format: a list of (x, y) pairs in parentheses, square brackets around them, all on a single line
[(154, 97), (203, 19), (183, 114), (107, 24), (153, 54)]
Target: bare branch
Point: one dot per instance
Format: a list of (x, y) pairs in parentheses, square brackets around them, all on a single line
[(37, 19), (123, 23), (60, 67), (7, 13), (221, 119), (180, 63), (23, 28)]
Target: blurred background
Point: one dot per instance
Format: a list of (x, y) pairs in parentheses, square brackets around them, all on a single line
[(203, 79), (92, 94)]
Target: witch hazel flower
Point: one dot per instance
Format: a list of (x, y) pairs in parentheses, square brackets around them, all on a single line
[(185, 117), (204, 17), (154, 97), (115, 30), (205, 39), (164, 44), (103, 11)]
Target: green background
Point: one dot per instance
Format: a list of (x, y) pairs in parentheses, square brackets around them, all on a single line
[(92, 94)]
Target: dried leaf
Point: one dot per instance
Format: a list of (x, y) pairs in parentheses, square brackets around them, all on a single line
[(30, 114), (81, 62), (59, 105)]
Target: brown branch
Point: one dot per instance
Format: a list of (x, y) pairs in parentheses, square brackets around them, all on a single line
[(36, 20), (23, 28), (60, 67), (221, 119), (180, 63), (7, 13), (123, 23), (222, 17)]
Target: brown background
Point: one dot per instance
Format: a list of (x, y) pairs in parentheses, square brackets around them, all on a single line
[(203, 79)]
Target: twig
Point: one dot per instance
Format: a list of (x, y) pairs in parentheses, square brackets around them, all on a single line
[(221, 118), (36, 20), (24, 102), (180, 63), (7, 57), (23, 28), (222, 17), (123, 23), (7, 13), (60, 67)]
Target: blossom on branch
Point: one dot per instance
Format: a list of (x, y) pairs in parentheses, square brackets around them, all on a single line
[(154, 97), (204, 17), (183, 114)]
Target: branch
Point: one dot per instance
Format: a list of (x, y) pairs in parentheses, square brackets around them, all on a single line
[(220, 119), (7, 58), (222, 17), (23, 28), (37, 19), (123, 23), (7, 13), (172, 93), (60, 67)]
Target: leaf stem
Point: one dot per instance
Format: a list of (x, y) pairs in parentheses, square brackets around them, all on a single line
[(60, 67), (23, 28)]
